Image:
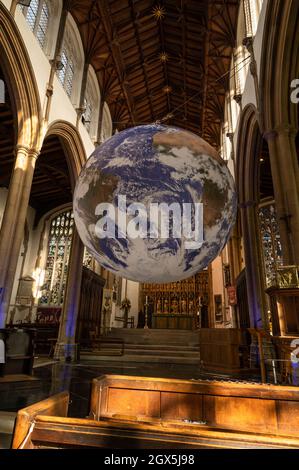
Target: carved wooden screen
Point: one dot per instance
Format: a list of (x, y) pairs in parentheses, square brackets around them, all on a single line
[(270, 239), (181, 297)]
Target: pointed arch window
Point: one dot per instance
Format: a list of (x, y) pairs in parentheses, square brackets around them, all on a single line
[(66, 73), (87, 115), (37, 17), (59, 247)]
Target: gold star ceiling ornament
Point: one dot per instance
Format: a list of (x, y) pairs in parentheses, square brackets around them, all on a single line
[(167, 89), (164, 57), (159, 12)]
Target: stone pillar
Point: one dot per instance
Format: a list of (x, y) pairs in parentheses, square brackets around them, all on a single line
[(66, 346), (100, 123), (56, 62), (254, 268), (13, 223), (285, 176), (81, 109), (234, 258)]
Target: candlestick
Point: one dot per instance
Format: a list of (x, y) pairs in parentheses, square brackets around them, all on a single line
[(146, 313)]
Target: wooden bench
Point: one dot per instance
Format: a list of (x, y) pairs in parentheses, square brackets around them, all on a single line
[(44, 425), (244, 407), (19, 351), (151, 413)]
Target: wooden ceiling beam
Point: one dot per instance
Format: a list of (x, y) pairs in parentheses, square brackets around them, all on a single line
[(114, 43)]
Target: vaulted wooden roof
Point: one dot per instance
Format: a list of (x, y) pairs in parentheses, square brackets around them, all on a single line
[(51, 186), (173, 68)]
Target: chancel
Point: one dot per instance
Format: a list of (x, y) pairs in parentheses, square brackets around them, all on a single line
[(121, 121)]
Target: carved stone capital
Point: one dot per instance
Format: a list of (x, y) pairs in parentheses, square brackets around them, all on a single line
[(248, 43), (247, 204), (238, 98), (270, 135)]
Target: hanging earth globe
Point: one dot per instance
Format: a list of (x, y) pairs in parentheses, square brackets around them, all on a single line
[(155, 204)]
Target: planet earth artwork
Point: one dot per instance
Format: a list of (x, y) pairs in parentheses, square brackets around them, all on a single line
[(152, 165)]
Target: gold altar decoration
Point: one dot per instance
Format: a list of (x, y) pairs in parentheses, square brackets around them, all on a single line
[(285, 277), (177, 298)]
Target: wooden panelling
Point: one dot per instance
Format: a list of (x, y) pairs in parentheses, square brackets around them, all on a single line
[(220, 348), (45, 425), (133, 402), (53, 406), (240, 406), (89, 316), (246, 414), (182, 406)]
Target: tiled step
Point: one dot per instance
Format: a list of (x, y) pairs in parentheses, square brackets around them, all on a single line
[(148, 346), (154, 352), (165, 337), (166, 347), (90, 356)]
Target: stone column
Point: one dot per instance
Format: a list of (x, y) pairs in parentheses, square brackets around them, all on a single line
[(56, 62), (12, 228), (66, 346), (81, 109), (100, 122), (254, 268), (234, 257), (285, 176)]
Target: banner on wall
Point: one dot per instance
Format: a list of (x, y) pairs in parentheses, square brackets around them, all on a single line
[(232, 295)]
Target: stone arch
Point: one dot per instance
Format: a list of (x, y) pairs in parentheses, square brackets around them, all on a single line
[(21, 82), (247, 178), (72, 144), (246, 165), (279, 116), (107, 126), (72, 42), (279, 64)]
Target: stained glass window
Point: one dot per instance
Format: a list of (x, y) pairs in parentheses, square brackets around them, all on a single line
[(87, 116), (62, 71), (270, 238), (37, 17), (59, 245), (31, 14), (66, 73), (69, 78), (87, 259), (43, 25)]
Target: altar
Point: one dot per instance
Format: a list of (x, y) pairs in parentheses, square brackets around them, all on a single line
[(174, 321), (176, 305)]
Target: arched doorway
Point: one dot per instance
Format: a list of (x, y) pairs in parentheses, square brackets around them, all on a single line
[(22, 147), (247, 178)]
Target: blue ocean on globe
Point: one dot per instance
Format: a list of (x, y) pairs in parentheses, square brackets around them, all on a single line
[(155, 164)]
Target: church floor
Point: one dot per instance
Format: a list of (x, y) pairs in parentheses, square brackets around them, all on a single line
[(55, 377)]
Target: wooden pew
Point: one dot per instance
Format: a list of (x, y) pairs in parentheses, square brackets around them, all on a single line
[(19, 351), (154, 413), (56, 405), (53, 432), (243, 407)]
